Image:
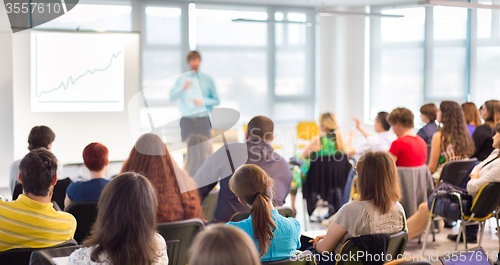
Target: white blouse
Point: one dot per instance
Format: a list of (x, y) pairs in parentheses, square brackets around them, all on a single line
[(82, 256), (488, 173)]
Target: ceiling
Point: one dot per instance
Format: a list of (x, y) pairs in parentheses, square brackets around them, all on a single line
[(308, 3)]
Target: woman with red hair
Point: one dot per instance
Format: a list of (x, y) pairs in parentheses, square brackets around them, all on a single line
[(176, 192), (95, 158)]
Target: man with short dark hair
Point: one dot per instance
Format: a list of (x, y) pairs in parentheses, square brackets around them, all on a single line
[(31, 221), (192, 100), (257, 151), (40, 136)]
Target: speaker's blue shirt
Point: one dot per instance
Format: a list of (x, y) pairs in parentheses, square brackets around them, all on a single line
[(187, 97), (286, 236), (86, 191)]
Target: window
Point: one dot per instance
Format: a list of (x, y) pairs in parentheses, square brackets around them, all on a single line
[(236, 54), (397, 61), (411, 66), (293, 81), (486, 60), (93, 17)]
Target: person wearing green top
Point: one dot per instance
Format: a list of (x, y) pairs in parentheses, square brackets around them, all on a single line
[(327, 143)]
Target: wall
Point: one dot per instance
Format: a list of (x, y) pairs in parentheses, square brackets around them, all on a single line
[(6, 103)]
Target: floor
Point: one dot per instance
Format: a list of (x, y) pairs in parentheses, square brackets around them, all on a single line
[(435, 249)]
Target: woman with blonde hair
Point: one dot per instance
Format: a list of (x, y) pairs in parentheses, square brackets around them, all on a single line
[(376, 211), (329, 141), (472, 116), (223, 245), (275, 236)]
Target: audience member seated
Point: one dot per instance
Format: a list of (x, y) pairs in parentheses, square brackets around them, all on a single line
[(472, 116), (409, 150), (259, 136), (428, 116), (151, 158), (490, 113), (381, 141), (452, 140), (31, 221), (95, 158), (275, 236), (328, 142), (40, 136), (376, 212), (125, 229), (223, 245), (199, 148), (485, 172)]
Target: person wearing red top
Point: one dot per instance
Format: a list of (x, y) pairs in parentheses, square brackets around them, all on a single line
[(409, 150)]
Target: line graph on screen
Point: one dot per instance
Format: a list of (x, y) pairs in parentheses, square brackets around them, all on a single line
[(77, 72)]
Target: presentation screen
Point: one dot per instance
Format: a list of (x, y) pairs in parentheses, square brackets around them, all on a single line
[(77, 72)]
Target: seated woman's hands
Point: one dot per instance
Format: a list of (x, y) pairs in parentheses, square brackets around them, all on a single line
[(317, 239), (474, 176)]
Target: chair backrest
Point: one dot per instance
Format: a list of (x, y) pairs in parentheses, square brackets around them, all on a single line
[(85, 214), (307, 130), (351, 249), (21, 256), (209, 205), (487, 200), (44, 257), (284, 211), (416, 187), (59, 191), (179, 236), (326, 177), (454, 172), (397, 244)]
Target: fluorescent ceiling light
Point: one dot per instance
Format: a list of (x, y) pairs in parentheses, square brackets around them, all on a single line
[(457, 4), (269, 21), (342, 13)]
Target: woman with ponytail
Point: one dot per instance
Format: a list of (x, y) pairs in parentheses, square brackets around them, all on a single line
[(275, 236)]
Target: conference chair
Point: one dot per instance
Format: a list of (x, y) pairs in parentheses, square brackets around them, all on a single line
[(416, 187), (353, 195), (326, 179), (209, 205), (397, 246), (44, 257), (179, 236), (305, 258), (454, 172), (306, 130), (57, 197), (484, 205), (284, 211), (85, 214), (21, 256)]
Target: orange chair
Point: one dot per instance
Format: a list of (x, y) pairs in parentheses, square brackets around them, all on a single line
[(306, 130)]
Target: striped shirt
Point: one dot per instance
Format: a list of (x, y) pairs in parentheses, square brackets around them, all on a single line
[(25, 223)]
